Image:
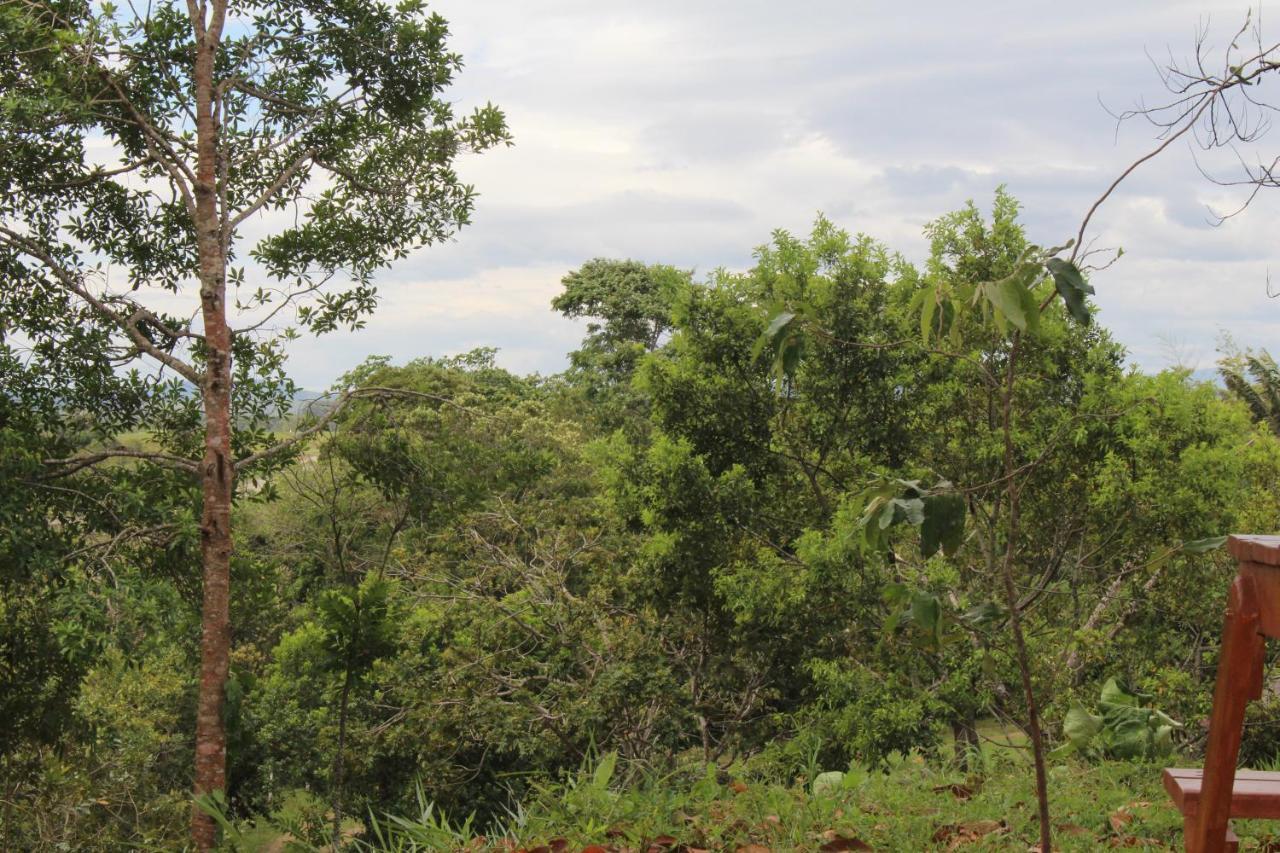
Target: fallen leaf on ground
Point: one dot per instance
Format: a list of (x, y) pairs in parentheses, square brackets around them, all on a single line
[(1071, 829), (835, 842), (1135, 841), (959, 834), (960, 792), (1120, 818)]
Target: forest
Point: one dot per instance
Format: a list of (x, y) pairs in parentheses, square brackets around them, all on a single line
[(839, 551)]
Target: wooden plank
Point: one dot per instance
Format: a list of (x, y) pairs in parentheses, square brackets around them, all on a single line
[(1266, 584), (1255, 549), (1236, 665), (1255, 794)]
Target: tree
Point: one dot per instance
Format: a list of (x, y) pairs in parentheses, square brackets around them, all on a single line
[(139, 150), (629, 304), (1254, 379), (979, 308)]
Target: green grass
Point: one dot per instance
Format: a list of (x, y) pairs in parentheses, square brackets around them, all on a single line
[(913, 805)]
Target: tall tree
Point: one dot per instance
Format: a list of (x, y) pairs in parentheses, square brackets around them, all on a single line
[(141, 148)]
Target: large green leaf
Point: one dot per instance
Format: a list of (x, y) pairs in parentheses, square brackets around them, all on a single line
[(1027, 296), (1071, 285), (829, 781), (983, 614), (1115, 694), (1202, 546), (604, 771), (778, 323), (774, 334), (1131, 739), (943, 525), (926, 616), (1081, 727), (929, 297), (1004, 296), (910, 510)]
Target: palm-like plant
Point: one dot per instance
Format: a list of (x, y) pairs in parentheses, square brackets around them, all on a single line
[(1254, 378)]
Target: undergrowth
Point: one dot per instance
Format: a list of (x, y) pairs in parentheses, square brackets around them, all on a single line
[(909, 803)]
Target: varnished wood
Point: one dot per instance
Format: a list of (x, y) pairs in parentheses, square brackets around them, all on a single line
[(1266, 584), (1230, 844), (1236, 673), (1208, 798), (1255, 549), (1254, 794)]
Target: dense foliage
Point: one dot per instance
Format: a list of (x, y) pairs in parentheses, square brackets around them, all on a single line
[(476, 583)]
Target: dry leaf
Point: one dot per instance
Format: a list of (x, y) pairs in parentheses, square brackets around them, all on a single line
[(1119, 819), (834, 842), (1135, 841), (1071, 829), (959, 834), (960, 792)]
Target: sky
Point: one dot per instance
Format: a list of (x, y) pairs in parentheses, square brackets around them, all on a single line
[(687, 132)]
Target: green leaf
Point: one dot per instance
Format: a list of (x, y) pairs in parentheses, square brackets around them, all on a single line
[(778, 323), (1114, 694), (1004, 295), (926, 613), (772, 335), (983, 614), (1030, 305), (895, 593), (1081, 727), (1070, 283), (791, 353), (887, 514), (910, 510), (1131, 739), (1203, 546), (927, 310), (604, 771), (828, 781), (943, 525)]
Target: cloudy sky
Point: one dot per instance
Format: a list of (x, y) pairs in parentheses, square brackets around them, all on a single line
[(685, 132)]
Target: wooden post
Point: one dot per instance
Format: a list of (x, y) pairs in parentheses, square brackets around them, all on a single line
[(1238, 670)]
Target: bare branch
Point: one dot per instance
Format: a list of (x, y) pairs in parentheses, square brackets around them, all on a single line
[(1214, 108)]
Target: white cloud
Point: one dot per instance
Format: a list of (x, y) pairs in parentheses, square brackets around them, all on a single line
[(685, 132)]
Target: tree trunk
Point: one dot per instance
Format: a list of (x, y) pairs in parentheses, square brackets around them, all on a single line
[(217, 472), (1014, 493), (339, 763)]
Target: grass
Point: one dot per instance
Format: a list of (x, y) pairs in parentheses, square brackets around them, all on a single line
[(907, 804), (910, 805)]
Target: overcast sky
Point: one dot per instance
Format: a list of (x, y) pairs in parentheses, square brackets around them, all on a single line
[(685, 132)]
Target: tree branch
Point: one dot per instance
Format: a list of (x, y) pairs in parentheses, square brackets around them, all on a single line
[(128, 325)]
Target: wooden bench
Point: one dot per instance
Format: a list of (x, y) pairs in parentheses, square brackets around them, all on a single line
[(1209, 798), (1254, 794)]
